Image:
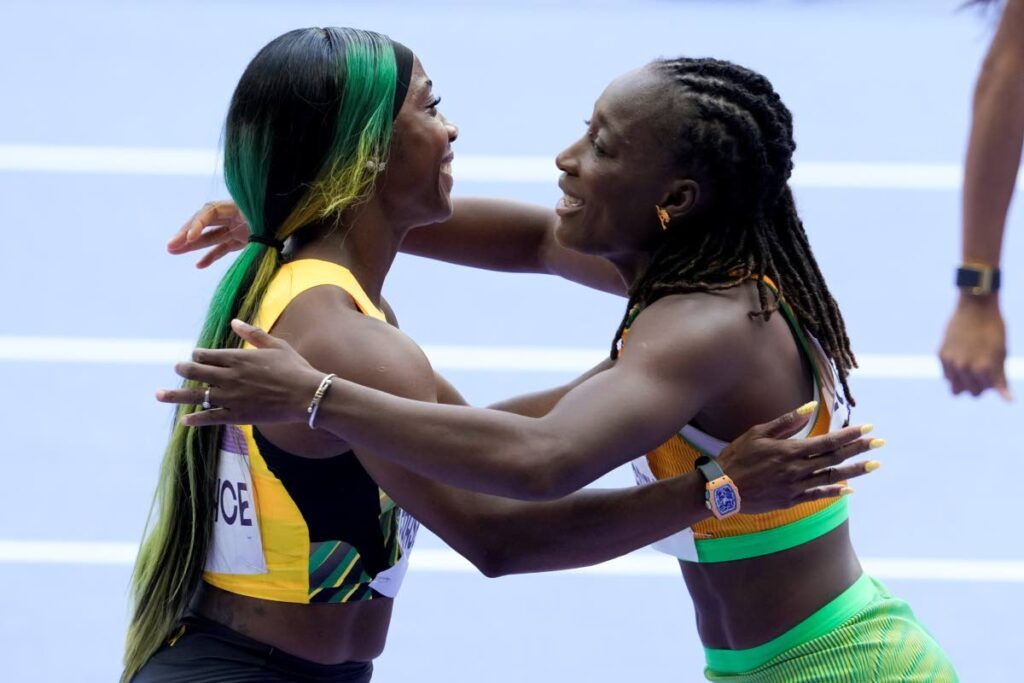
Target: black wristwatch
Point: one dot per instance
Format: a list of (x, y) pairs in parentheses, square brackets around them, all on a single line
[(977, 280)]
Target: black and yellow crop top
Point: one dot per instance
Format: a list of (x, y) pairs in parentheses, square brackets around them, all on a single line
[(296, 529), (743, 536)]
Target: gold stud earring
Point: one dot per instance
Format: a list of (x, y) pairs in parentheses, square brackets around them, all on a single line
[(663, 217)]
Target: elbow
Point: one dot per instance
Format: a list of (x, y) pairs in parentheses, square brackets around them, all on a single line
[(493, 566), (491, 560)]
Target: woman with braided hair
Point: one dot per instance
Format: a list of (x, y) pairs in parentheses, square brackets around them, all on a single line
[(679, 190)]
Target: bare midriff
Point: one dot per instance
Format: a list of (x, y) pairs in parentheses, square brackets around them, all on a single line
[(322, 633), (744, 603)]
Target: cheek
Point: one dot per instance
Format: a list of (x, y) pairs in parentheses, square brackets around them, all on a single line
[(617, 212), (406, 163), (608, 203)]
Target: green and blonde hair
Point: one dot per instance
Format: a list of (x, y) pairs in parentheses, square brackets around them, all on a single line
[(309, 119)]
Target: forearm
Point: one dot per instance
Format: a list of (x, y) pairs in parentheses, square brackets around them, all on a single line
[(485, 233), (481, 450), (502, 536), (591, 526), (496, 234), (994, 152)]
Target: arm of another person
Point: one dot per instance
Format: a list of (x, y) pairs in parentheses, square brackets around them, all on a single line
[(607, 420), (974, 349), (502, 536), (496, 234), (660, 384), (492, 234), (499, 536)]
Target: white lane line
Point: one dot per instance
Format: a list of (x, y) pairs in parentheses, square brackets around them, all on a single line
[(440, 560), (122, 351), (165, 161), (84, 159)]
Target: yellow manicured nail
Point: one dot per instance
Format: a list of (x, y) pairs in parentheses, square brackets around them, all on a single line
[(872, 465), (877, 443), (867, 429), (807, 408), (846, 491)]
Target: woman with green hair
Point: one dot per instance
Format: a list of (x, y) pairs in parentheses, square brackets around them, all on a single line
[(277, 549)]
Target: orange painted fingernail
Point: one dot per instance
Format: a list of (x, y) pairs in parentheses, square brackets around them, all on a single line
[(846, 491), (867, 429), (807, 408), (876, 443), (871, 465)]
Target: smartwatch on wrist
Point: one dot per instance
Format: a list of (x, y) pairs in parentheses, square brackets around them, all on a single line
[(720, 493), (977, 280)]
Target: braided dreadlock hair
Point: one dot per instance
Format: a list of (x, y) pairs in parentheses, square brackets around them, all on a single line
[(737, 136)]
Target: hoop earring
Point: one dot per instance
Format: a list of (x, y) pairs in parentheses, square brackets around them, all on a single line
[(663, 216)]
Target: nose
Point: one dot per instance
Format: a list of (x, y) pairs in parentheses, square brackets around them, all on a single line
[(566, 161), (453, 131)]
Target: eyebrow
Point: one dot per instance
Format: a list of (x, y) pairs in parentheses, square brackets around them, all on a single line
[(603, 122)]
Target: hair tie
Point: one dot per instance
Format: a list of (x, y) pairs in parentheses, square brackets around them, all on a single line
[(267, 241)]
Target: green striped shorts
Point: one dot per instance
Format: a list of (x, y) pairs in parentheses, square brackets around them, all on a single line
[(865, 634)]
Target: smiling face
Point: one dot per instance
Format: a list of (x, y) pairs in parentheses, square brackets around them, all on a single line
[(417, 184), (620, 170)]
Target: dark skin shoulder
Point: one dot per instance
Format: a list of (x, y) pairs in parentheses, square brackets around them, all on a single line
[(325, 324), (772, 369)]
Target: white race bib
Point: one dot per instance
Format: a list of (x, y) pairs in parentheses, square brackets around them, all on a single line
[(236, 547)]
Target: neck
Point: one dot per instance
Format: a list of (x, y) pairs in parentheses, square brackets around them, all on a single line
[(631, 266), (363, 241)]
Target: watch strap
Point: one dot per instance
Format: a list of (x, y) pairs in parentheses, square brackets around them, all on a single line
[(978, 279), (709, 468)]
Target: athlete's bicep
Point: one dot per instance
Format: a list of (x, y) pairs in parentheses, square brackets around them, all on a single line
[(662, 380), (374, 354)]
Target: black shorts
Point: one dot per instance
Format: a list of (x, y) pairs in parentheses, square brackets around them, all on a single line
[(208, 652)]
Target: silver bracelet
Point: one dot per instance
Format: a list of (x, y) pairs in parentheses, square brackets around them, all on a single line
[(321, 391)]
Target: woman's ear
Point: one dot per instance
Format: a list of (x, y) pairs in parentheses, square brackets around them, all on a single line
[(682, 198)]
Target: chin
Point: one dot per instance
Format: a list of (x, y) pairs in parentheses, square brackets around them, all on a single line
[(571, 237), (441, 212)]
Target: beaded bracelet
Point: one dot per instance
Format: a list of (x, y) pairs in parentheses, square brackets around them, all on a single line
[(321, 391)]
